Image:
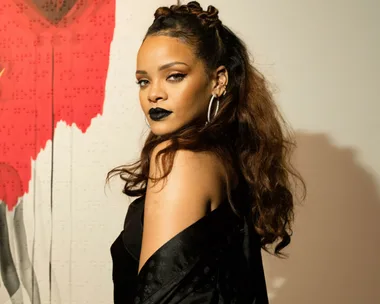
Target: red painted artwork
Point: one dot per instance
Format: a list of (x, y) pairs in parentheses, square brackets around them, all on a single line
[(54, 58), (53, 68)]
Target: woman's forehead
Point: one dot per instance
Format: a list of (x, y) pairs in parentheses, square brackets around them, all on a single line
[(159, 50)]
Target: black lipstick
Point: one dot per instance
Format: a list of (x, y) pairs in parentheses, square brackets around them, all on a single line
[(158, 113)]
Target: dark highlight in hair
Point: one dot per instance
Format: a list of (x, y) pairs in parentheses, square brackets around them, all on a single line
[(248, 134)]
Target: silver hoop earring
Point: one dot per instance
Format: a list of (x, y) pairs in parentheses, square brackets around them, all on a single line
[(146, 121), (209, 108)]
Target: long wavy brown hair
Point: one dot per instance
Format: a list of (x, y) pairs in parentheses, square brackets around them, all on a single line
[(248, 133)]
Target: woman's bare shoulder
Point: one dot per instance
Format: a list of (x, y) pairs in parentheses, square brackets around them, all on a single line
[(193, 187)]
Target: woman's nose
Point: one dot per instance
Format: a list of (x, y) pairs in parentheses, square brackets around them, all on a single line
[(156, 93)]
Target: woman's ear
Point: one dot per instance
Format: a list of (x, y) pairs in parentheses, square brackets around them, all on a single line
[(221, 81)]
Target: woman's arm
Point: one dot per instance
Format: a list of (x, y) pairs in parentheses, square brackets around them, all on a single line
[(194, 186)]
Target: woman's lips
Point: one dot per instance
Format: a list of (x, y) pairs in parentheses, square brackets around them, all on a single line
[(158, 113)]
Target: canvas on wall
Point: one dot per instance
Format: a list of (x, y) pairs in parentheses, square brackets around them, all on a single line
[(54, 58)]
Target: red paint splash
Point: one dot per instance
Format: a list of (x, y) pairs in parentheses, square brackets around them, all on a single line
[(48, 73)]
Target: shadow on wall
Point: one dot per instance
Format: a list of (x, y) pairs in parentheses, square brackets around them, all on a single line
[(334, 256)]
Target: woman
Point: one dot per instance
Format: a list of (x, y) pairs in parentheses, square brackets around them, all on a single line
[(213, 177)]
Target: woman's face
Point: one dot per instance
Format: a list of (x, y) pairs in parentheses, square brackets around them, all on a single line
[(174, 87)]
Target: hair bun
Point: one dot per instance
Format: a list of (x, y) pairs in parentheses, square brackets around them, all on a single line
[(209, 18), (162, 12)]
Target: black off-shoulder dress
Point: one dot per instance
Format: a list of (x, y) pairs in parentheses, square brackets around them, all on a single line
[(215, 260)]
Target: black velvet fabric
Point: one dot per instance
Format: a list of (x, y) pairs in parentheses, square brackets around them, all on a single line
[(215, 260)]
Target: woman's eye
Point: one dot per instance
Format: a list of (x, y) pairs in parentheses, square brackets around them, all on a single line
[(176, 77), (142, 83)]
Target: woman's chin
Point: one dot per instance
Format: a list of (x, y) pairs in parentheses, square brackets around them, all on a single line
[(161, 128)]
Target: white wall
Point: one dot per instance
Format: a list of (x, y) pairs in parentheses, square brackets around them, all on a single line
[(322, 57)]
